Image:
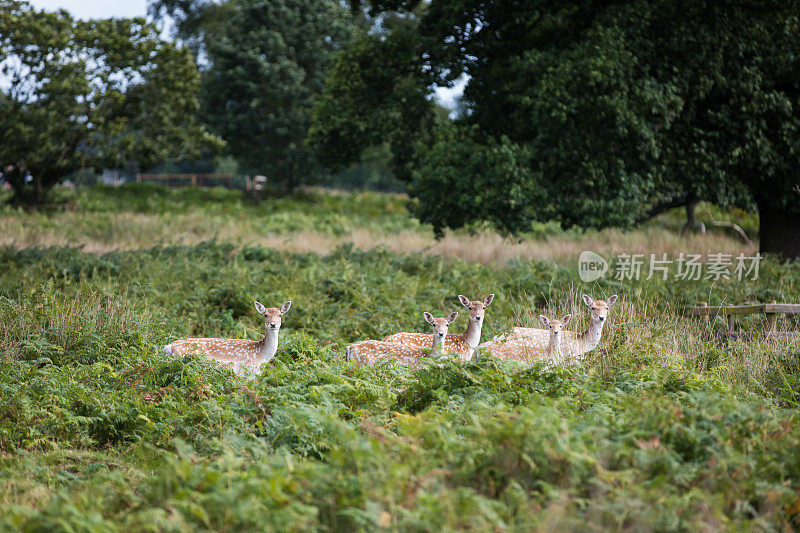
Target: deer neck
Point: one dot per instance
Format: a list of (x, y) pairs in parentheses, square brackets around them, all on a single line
[(472, 337), (554, 348), (590, 338), (438, 345), (268, 346)]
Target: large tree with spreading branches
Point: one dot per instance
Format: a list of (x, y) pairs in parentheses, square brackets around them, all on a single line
[(90, 94)]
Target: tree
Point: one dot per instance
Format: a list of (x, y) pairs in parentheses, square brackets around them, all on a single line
[(90, 94), (266, 65), (492, 166), (376, 93), (627, 108), (191, 20)]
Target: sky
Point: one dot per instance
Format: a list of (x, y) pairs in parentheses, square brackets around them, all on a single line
[(86, 9)]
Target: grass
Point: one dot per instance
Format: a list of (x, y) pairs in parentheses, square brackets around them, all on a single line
[(141, 215), (661, 429)]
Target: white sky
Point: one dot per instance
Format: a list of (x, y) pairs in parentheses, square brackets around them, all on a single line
[(86, 9), (448, 96)]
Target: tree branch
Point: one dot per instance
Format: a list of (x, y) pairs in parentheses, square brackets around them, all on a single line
[(735, 227), (660, 208)]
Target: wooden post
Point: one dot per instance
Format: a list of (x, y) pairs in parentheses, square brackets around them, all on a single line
[(706, 318), (730, 323), (772, 319)]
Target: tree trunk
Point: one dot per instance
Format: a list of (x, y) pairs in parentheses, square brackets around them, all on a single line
[(690, 207), (692, 225), (778, 232), (29, 194)]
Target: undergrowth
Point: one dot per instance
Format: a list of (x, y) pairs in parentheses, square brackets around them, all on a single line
[(100, 430)]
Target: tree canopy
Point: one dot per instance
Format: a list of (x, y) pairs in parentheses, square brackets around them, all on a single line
[(263, 63), (376, 93), (612, 110), (90, 94)]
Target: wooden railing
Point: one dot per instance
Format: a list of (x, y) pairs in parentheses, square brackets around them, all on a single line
[(195, 180), (771, 309)]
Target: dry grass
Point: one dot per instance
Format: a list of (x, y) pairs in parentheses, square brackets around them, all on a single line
[(103, 232)]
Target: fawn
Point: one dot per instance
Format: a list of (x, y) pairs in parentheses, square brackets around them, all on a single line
[(574, 344), (531, 349), (465, 343), (369, 351), (246, 355)]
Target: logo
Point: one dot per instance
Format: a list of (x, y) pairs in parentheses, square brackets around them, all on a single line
[(591, 266)]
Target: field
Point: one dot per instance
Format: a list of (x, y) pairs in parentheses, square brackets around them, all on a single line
[(660, 429)]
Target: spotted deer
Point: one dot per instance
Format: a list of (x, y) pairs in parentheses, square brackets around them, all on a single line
[(532, 349), (246, 355), (574, 344), (463, 344), (367, 352)]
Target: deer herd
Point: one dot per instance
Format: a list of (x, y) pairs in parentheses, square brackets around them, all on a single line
[(552, 346)]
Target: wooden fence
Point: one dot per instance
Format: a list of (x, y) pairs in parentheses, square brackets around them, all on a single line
[(195, 180), (771, 309)]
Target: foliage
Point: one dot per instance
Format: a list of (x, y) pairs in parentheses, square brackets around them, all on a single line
[(267, 63), (90, 94), (375, 94), (492, 166), (100, 430), (622, 109)]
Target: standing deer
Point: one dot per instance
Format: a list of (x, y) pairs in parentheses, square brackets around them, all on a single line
[(246, 355), (367, 352), (465, 343), (574, 344), (532, 349)]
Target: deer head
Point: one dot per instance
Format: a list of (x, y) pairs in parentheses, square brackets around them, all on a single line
[(440, 325), (272, 315), (599, 308), (475, 307), (555, 326)]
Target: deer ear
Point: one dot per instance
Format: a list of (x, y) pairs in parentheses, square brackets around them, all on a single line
[(464, 300), (428, 317), (452, 317), (588, 300), (545, 320), (260, 307), (611, 300), (285, 307), (488, 300), (565, 320)]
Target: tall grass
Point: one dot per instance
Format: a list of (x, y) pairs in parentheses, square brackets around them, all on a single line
[(662, 428)]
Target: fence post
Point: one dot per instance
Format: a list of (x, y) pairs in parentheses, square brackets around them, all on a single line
[(772, 319), (706, 318)]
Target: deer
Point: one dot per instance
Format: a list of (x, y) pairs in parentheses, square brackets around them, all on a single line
[(246, 355), (532, 349), (368, 351), (463, 344), (574, 344)]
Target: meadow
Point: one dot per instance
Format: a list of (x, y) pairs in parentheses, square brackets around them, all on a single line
[(662, 428)]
